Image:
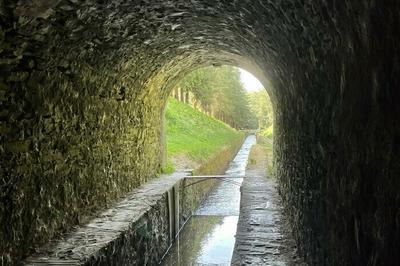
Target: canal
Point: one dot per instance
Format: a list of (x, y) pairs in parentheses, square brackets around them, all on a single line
[(209, 235)]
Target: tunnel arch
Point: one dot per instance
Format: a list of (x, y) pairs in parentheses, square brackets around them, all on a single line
[(176, 71), (81, 107), (163, 81)]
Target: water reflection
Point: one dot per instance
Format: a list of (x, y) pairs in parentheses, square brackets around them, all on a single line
[(209, 236), (225, 198), (204, 240), (218, 247)]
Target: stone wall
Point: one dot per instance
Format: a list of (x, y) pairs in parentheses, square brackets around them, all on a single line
[(68, 149), (83, 84), (337, 134)]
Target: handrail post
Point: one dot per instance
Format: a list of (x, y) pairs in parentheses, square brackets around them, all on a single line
[(173, 211), (171, 214), (176, 205)]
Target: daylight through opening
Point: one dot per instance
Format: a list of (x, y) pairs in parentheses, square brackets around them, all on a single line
[(211, 107)]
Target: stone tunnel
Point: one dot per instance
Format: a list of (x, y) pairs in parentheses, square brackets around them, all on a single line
[(84, 84)]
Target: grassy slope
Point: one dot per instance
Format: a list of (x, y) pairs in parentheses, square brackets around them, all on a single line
[(193, 133)]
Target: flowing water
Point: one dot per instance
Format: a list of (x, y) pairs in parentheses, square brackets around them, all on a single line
[(208, 238)]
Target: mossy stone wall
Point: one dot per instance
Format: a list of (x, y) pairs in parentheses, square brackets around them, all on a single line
[(69, 150)]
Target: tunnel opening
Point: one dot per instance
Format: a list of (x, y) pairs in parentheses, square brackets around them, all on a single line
[(224, 93)]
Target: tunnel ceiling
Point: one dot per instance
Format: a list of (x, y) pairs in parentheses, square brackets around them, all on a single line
[(83, 85), (139, 38)]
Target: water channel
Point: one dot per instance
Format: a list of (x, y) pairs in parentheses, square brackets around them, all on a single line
[(208, 238)]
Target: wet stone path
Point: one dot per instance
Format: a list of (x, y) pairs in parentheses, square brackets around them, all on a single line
[(263, 236)]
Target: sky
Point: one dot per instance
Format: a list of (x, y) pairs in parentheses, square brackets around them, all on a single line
[(250, 82)]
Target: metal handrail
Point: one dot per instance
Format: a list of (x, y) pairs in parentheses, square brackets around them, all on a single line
[(224, 178)]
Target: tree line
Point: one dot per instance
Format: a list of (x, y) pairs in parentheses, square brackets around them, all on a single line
[(218, 92)]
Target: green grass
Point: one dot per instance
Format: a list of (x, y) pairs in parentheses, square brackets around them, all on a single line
[(194, 134), (168, 168), (268, 132)]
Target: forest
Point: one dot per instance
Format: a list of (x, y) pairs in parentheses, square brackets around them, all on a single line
[(219, 92)]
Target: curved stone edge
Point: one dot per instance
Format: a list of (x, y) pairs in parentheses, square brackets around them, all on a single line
[(135, 231)]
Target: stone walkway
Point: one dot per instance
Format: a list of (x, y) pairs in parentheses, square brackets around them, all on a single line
[(262, 237), (107, 239)]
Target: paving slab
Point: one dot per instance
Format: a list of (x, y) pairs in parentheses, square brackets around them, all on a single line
[(263, 236)]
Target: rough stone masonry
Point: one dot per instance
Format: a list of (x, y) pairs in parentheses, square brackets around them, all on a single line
[(83, 86)]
